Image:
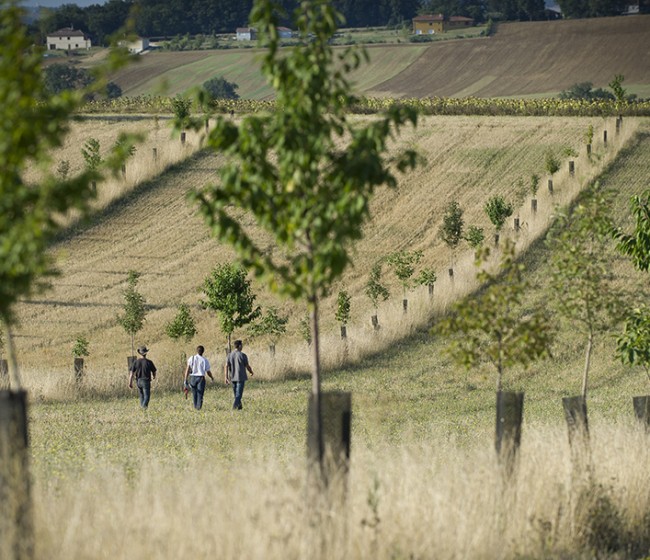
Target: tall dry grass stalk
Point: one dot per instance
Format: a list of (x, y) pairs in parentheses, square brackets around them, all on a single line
[(431, 499)]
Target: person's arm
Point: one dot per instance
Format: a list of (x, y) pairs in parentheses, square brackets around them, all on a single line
[(225, 373), (187, 373), (153, 371), (250, 369), (131, 379), (209, 374)]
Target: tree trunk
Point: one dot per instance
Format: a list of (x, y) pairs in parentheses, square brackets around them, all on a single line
[(315, 380), (585, 374), (16, 527)]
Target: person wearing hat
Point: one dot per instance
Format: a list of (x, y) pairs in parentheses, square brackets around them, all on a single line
[(144, 371)]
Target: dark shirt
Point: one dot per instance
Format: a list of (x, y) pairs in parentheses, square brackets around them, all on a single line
[(143, 368), (237, 363)]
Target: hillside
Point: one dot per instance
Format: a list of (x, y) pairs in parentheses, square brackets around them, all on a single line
[(153, 230), (521, 59)]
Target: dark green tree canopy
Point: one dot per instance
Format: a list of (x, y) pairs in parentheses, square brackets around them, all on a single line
[(220, 88)]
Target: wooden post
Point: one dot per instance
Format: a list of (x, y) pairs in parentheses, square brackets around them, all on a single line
[(375, 322), (405, 305), (533, 205), (154, 153), (430, 286), (510, 412), (619, 121), (344, 332), (550, 186), (272, 349), (516, 224), (183, 138), (588, 150), (572, 168), (451, 273), (124, 171), (496, 239), (16, 529), (642, 410), (604, 137), (79, 369)]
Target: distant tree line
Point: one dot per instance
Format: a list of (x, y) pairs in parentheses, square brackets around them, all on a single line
[(168, 18)]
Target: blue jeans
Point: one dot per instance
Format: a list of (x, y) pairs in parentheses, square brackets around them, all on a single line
[(197, 384), (144, 388), (238, 389)]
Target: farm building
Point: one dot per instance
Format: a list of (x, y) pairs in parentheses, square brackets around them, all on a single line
[(138, 45), (246, 34), (436, 23), (67, 39), (285, 33)]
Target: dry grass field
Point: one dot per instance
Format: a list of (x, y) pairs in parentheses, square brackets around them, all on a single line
[(521, 59), (151, 228)]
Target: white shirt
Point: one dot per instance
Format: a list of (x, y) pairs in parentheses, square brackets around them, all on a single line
[(199, 365)]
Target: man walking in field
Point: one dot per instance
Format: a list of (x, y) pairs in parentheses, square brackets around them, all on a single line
[(197, 368), (144, 371), (235, 372)]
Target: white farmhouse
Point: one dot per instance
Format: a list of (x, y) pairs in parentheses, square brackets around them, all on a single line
[(246, 34), (137, 46), (68, 39)]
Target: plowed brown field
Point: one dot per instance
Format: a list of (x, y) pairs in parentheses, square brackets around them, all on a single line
[(521, 59), (531, 58)]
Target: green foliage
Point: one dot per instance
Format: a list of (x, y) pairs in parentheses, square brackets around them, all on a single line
[(534, 184), (271, 324), (182, 326), (91, 154), (134, 308), (375, 290), (493, 324), (616, 86), (581, 278), (475, 236), (568, 151), (637, 245), (220, 88), (80, 347), (63, 77), (427, 277), (403, 264), (305, 329), (584, 91), (343, 307), (182, 109), (451, 230), (304, 172), (498, 210), (33, 123), (633, 346), (228, 293), (62, 169), (551, 163)]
